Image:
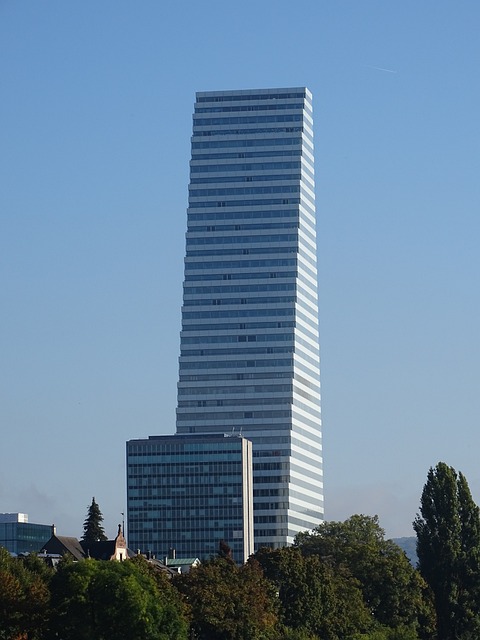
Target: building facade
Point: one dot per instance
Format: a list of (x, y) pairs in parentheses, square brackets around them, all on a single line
[(186, 493), (249, 360), (18, 535)]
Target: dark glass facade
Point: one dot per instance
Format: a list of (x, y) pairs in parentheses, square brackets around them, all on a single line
[(189, 492)]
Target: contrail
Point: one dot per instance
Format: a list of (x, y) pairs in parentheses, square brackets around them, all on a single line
[(381, 69)]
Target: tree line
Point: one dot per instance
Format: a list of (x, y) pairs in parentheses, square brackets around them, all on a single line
[(341, 581)]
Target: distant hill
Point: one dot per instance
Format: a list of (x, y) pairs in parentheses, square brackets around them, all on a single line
[(409, 545)]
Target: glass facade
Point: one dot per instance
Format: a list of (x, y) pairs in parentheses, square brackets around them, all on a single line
[(24, 537), (249, 360), (189, 492)]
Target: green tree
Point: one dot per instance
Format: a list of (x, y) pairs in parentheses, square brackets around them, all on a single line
[(229, 602), (448, 549), (385, 633), (92, 527), (24, 598), (393, 590), (315, 600), (176, 611), (70, 601), (111, 601)]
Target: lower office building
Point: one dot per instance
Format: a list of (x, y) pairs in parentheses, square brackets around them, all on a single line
[(18, 535), (188, 493)]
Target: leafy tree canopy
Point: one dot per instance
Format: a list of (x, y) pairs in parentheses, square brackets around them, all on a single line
[(316, 601), (24, 598), (112, 601), (229, 602), (392, 589)]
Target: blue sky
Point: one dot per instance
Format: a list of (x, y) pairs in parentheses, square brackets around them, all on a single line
[(95, 125)]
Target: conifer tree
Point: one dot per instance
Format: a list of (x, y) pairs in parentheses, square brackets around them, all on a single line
[(224, 550), (92, 527), (448, 548)]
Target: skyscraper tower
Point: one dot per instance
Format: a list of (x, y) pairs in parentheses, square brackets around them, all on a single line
[(249, 360)]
